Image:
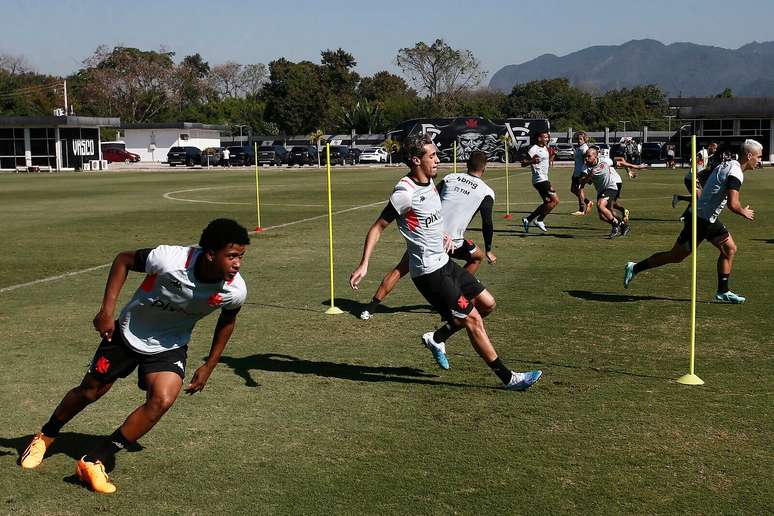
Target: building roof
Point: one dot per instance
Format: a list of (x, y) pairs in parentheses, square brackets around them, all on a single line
[(58, 121), (734, 107), (175, 125)]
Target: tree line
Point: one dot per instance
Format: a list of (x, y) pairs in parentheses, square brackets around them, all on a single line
[(286, 97)]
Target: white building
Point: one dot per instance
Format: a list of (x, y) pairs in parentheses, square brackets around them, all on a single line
[(152, 141)]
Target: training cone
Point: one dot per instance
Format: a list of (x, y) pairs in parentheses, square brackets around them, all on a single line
[(334, 310), (507, 216), (258, 229), (690, 379)]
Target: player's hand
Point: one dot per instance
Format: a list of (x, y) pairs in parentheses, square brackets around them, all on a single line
[(748, 213), (491, 258), (199, 379), (104, 324), (357, 275), (632, 175), (448, 243)]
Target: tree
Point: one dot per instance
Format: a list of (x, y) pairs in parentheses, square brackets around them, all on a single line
[(555, 99), (391, 146), (439, 70), (725, 94), (382, 86), (364, 117), (295, 96)]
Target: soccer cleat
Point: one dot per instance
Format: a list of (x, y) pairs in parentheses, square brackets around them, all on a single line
[(578, 213), (730, 297), (93, 475), (541, 225), (626, 216), (525, 225), (615, 231), (625, 229), (675, 200), (33, 455), (522, 381), (438, 349), (628, 274), (366, 315), (589, 207)]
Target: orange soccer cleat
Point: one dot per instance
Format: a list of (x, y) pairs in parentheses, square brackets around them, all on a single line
[(93, 475), (33, 455)]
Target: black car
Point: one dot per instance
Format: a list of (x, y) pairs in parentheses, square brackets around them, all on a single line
[(651, 152), (188, 156), (302, 155), (340, 155), (355, 154), (272, 155), (241, 156)]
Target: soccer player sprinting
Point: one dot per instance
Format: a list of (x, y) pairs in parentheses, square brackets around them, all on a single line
[(600, 170), (462, 195), (721, 189), (576, 186), (181, 286), (537, 158), (461, 299), (714, 158)]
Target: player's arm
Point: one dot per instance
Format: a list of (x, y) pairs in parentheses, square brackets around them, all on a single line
[(733, 185), (104, 321), (487, 227), (372, 237), (223, 330), (620, 162)]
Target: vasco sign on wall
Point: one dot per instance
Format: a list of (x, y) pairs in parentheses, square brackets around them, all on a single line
[(83, 147)]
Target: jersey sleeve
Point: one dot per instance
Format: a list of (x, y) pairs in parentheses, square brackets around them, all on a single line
[(733, 183), (141, 259), (401, 199), (533, 151), (238, 297), (388, 213)]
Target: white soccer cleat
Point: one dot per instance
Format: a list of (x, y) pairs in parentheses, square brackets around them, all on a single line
[(541, 225)]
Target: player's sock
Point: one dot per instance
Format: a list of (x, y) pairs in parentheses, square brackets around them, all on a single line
[(541, 217), (532, 216), (371, 307), (109, 447), (443, 333), (723, 283), (642, 266), (500, 369), (52, 427)]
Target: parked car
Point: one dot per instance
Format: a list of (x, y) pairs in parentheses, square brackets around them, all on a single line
[(564, 152), (116, 155), (651, 152), (272, 155), (211, 156), (374, 155), (188, 156), (241, 156), (340, 155), (302, 155)]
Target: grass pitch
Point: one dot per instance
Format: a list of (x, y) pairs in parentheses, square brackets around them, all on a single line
[(316, 414)]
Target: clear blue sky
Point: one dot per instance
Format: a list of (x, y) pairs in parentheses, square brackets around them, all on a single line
[(55, 36)]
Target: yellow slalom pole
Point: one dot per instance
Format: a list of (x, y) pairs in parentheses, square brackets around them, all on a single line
[(455, 156), (333, 310), (258, 228), (691, 378), (507, 215)]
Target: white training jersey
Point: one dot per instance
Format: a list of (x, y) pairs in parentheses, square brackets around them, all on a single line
[(714, 195), (603, 175), (169, 302), (461, 197), (421, 224), (539, 170), (580, 160)]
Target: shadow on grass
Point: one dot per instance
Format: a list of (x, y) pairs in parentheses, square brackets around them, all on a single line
[(600, 370), (73, 444), (355, 307), (357, 373), (769, 241), (607, 297)]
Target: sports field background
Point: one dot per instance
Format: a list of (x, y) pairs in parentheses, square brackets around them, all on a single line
[(316, 414)]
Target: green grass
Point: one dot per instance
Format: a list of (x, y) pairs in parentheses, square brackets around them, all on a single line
[(316, 414)]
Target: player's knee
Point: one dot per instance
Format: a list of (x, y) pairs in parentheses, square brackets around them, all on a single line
[(728, 249), (487, 307), (159, 403)]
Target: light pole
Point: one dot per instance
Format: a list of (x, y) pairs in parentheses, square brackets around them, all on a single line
[(682, 127), (624, 126), (669, 121), (241, 143)]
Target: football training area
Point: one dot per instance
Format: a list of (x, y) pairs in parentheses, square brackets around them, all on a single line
[(310, 413)]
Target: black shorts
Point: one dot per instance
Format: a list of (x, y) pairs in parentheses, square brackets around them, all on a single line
[(575, 183), (545, 190), (116, 359), (464, 251), (610, 194), (715, 232), (620, 189), (450, 290), (688, 184)]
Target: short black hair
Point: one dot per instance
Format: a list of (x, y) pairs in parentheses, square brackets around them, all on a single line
[(476, 161), (414, 146), (221, 232)]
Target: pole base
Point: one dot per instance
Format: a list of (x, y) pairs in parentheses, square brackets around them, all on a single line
[(690, 379), (258, 229), (334, 311), (507, 216)]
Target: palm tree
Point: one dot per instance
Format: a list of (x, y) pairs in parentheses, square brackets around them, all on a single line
[(391, 145), (315, 138)]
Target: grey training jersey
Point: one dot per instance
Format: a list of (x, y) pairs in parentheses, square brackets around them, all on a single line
[(604, 175), (539, 170), (164, 309), (461, 197), (714, 195), (421, 224), (580, 160)]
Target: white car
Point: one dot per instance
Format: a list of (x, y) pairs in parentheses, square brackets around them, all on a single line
[(373, 155)]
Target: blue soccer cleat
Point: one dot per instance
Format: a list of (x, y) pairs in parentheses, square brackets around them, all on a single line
[(522, 381), (525, 225), (628, 274), (438, 349), (730, 297)]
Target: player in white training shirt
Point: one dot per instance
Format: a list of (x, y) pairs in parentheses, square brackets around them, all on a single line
[(576, 187), (181, 286), (537, 158), (720, 190), (462, 195), (454, 292)]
